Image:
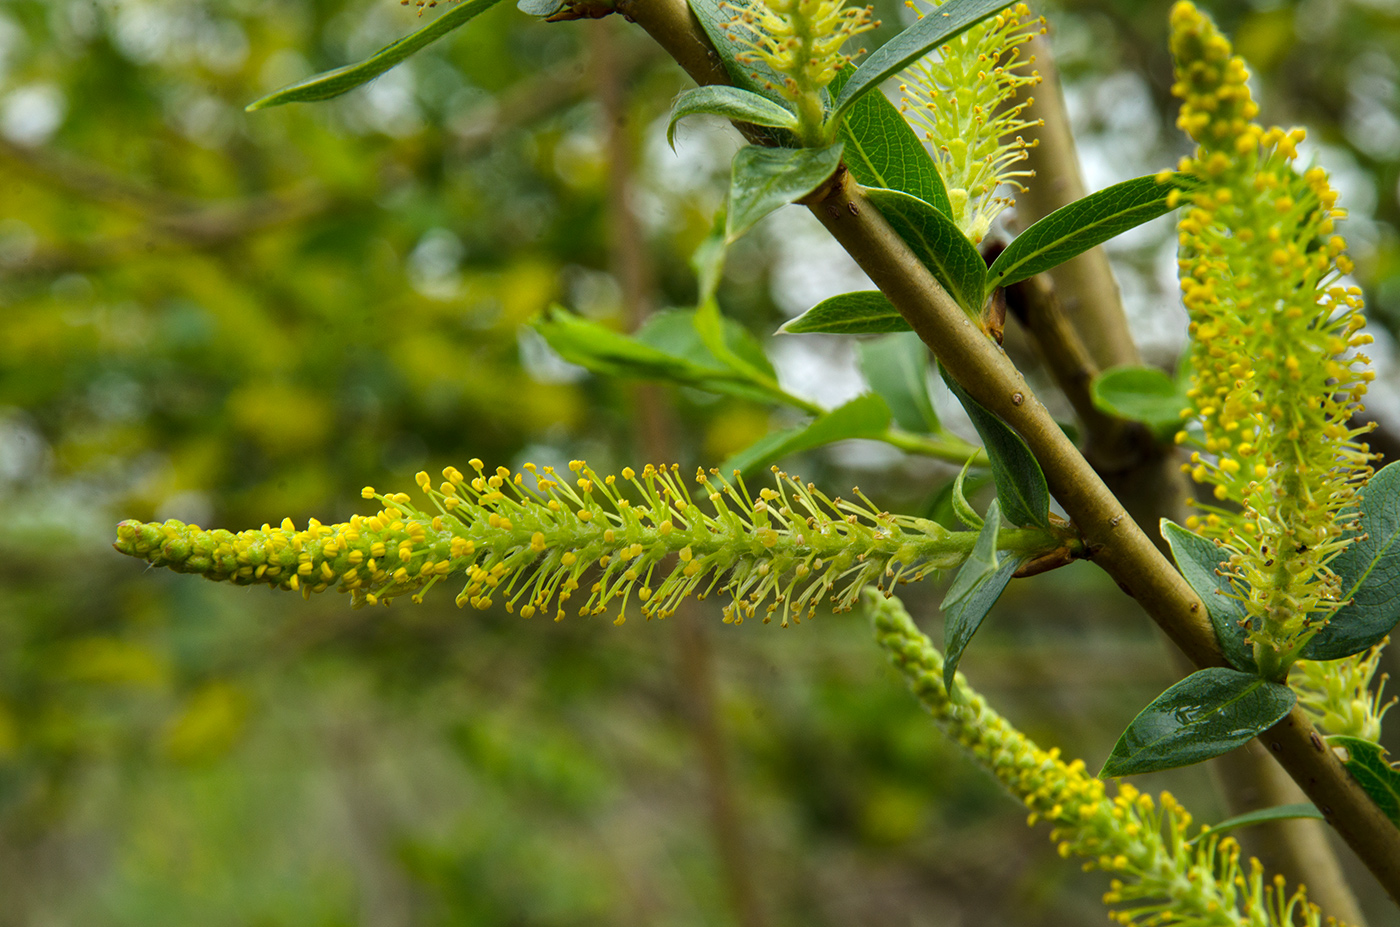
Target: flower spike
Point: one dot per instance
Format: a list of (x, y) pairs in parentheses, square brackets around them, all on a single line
[(778, 552), (1276, 377)]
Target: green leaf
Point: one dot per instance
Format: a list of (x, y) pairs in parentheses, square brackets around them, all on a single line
[(1074, 229), (539, 7), (605, 351), (939, 244), (938, 26), (754, 75), (730, 102), (708, 259), (1200, 561), (1141, 394), (962, 509), (862, 312), (765, 179), (1369, 568), (1208, 713), (897, 367), (1305, 809), (330, 84), (980, 564), (866, 416), (940, 507), (883, 151), (1020, 482), (676, 332), (983, 586), (1368, 766)]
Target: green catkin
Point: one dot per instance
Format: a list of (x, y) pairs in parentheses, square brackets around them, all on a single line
[(1275, 378), (780, 552), (800, 41), (1163, 874), (964, 99)]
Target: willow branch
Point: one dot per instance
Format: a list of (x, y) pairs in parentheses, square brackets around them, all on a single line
[(1115, 541)]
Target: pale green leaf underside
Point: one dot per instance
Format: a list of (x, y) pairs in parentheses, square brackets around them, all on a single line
[(861, 312), (766, 179), (731, 103), (330, 84)]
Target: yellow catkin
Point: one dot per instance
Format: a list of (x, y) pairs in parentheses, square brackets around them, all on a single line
[(1163, 873), (530, 547), (1275, 377)]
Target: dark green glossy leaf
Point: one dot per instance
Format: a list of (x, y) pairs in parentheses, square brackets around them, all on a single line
[(1369, 568), (1074, 229), (883, 151), (1199, 561), (865, 416), (862, 312), (939, 244), (1141, 394), (731, 103), (330, 84), (1305, 809), (938, 26), (1025, 499), (1368, 765), (754, 75), (897, 367), (1208, 713), (765, 179)]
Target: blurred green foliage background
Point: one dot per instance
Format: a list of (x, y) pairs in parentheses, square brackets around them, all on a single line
[(232, 318)]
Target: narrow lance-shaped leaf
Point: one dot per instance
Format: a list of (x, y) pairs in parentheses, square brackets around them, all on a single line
[(1304, 809), (765, 179), (882, 150), (938, 242), (1201, 563), (1369, 568), (975, 589), (865, 416), (1368, 765), (330, 84), (938, 26), (862, 312), (1208, 713), (1093, 220), (731, 103), (957, 500), (1021, 487)]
